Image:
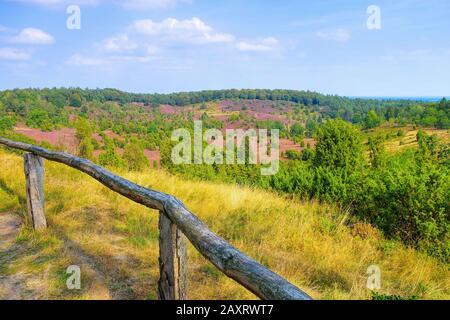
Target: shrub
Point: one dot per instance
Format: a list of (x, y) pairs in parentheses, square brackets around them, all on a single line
[(338, 146), (134, 157)]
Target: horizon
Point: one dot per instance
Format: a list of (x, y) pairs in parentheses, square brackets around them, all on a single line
[(413, 98)]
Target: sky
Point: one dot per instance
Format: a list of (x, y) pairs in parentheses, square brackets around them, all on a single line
[(331, 46)]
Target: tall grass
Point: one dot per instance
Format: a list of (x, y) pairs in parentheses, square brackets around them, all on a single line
[(115, 241)]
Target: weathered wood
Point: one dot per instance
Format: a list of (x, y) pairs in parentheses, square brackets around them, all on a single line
[(172, 284), (258, 279), (34, 176)]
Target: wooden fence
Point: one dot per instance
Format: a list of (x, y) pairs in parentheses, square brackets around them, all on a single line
[(176, 223)]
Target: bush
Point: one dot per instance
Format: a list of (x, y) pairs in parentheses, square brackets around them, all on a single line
[(293, 155), (134, 157), (38, 118), (338, 146), (110, 158), (6, 123), (408, 200)]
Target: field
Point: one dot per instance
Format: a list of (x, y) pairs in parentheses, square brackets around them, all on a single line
[(64, 139), (115, 241)]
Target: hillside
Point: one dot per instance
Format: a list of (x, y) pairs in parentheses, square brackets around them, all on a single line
[(360, 182), (315, 246)]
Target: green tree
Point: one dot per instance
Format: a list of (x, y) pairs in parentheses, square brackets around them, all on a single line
[(6, 123), (86, 148), (372, 120), (83, 129), (311, 126), (134, 157), (110, 156), (84, 136), (428, 145), (38, 118), (377, 153), (297, 130), (76, 100), (338, 146)]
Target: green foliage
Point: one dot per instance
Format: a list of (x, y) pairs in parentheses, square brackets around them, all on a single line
[(405, 195), (311, 126), (297, 130), (293, 155), (38, 118), (6, 123), (377, 153), (272, 125), (428, 145), (338, 146), (408, 199), (384, 297), (234, 117), (75, 100), (86, 148), (84, 136), (83, 129), (372, 120), (110, 158), (308, 154), (134, 157), (317, 107)]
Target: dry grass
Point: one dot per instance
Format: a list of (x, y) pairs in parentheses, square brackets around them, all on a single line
[(116, 241), (409, 140)]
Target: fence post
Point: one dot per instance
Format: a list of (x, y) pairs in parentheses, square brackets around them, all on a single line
[(172, 284), (34, 176)]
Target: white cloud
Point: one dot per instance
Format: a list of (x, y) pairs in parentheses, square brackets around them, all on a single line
[(170, 26), (33, 36), (13, 54), (79, 60), (338, 35), (147, 40), (120, 43), (214, 38), (260, 45), (172, 30)]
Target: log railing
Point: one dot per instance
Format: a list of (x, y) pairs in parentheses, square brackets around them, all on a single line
[(175, 223)]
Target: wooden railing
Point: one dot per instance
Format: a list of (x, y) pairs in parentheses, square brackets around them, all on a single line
[(175, 223)]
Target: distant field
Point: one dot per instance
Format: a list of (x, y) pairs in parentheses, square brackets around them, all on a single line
[(65, 140), (409, 138)]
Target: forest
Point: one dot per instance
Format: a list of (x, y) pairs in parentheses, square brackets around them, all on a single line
[(44, 105)]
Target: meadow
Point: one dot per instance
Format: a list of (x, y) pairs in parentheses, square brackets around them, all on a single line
[(314, 245)]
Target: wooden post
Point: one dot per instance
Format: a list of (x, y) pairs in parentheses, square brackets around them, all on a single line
[(34, 176), (172, 284)]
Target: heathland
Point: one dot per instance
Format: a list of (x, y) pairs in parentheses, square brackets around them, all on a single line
[(362, 182)]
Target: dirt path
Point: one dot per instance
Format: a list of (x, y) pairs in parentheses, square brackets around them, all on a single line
[(32, 286), (9, 228), (10, 286)]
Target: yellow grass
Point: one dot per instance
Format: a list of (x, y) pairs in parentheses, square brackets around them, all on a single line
[(409, 140), (116, 241)]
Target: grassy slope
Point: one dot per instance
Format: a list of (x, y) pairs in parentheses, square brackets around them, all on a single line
[(116, 241), (409, 140)]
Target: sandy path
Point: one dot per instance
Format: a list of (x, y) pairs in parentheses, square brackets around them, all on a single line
[(10, 286)]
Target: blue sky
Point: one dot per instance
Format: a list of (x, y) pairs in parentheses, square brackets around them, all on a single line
[(183, 45)]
